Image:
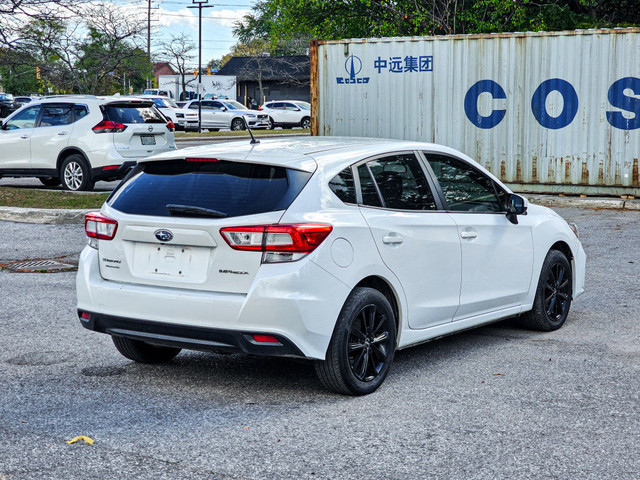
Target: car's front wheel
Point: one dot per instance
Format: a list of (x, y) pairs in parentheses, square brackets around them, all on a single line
[(143, 352), (553, 295), (237, 124), (75, 173), (362, 346), (272, 124)]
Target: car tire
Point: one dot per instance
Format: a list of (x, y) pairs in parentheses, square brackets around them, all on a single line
[(553, 295), (306, 122), (272, 124), (143, 352), (362, 347), (75, 174), (237, 124), (50, 181)]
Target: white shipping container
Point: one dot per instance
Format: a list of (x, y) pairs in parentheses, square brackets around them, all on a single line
[(545, 112), (219, 85)]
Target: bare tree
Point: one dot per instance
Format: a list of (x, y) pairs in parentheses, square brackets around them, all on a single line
[(15, 14), (178, 52)]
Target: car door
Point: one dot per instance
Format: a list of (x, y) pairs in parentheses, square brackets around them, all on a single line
[(51, 135), (276, 111), (15, 139), (291, 113), (417, 241), (497, 256), (208, 117), (223, 114)]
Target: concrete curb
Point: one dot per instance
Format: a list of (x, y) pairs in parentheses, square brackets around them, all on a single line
[(594, 203), (238, 137), (68, 216), (56, 216)]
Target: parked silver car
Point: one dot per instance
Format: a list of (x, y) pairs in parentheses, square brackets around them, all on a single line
[(218, 114)]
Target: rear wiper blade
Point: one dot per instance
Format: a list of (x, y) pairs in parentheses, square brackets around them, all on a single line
[(193, 211)]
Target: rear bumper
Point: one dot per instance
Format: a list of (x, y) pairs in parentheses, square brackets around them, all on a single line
[(195, 338), (298, 303), (106, 173)]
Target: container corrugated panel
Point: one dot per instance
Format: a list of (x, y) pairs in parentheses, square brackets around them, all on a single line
[(545, 112)]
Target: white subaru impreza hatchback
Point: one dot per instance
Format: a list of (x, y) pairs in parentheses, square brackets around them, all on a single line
[(337, 250)]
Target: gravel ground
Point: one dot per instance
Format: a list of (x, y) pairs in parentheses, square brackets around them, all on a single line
[(497, 402)]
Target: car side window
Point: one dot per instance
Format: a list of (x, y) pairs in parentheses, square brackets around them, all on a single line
[(55, 115), (193, 106), (402, 183), (368, 188), (465, 188), (216, 105), (79, 111), (343, 186), (277, 106), (24, 119)]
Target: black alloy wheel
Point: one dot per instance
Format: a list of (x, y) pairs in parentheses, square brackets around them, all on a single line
[(368, 344), (553, 295), (557, 296), (363, 345)]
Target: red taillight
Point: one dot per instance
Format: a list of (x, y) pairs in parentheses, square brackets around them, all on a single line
[(260, 107), (171, 126), (111, 167), (197, 159), (265, 339), (107, 126), (297, 238), (98, 226), (87, 316)]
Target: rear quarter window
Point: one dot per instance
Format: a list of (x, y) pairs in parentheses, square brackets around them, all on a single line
[(233, 188)]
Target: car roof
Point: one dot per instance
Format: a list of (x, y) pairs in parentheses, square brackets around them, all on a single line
[(304, 153)]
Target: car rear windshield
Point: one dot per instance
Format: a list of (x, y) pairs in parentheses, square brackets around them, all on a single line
[(127, 113), (193, 188)]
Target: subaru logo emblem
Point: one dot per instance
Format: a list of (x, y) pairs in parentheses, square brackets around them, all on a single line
[(150, 129), (164, 235)]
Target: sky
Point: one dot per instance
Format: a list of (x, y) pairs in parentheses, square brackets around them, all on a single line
[(172, 17)]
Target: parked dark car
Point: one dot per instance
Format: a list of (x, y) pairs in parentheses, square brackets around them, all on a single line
[(21, 101), (7, 104)]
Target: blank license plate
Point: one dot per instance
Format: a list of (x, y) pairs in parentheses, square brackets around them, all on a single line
[(148, 139), (170, 261)]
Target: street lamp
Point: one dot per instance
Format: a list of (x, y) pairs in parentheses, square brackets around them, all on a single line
[(200, 4)]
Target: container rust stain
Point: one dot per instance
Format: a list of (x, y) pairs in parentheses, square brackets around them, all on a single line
[(634, 173)]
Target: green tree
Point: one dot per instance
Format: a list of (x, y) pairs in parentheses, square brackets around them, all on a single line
[(280, 21)]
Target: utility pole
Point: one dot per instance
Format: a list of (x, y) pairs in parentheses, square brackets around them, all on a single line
[(149, 39), (200, 4)]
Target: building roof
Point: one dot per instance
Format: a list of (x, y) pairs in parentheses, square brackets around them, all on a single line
[(162, 68), (283, 68)]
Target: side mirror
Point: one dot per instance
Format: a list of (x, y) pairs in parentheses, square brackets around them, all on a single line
[(516, 205), (224, 109)]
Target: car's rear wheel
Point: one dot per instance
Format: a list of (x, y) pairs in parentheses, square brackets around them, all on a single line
[(50, 181), (142, 352), (553, 295), (306, 122), (237, 124), (75, 173), (362, 346)]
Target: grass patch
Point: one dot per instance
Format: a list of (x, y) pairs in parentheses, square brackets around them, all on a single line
[(34, 198), (244, 133)]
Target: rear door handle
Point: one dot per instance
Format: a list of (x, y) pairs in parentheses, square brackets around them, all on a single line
[(63, 133), (392, 239), (469, 234), (24, 136)]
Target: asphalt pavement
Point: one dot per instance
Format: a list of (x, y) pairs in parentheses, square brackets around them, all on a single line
[(497, 402)]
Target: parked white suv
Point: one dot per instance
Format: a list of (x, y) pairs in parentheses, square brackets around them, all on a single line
[(288, 114), (337, 250), (183, 118), (78, 140), (218, 114)]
